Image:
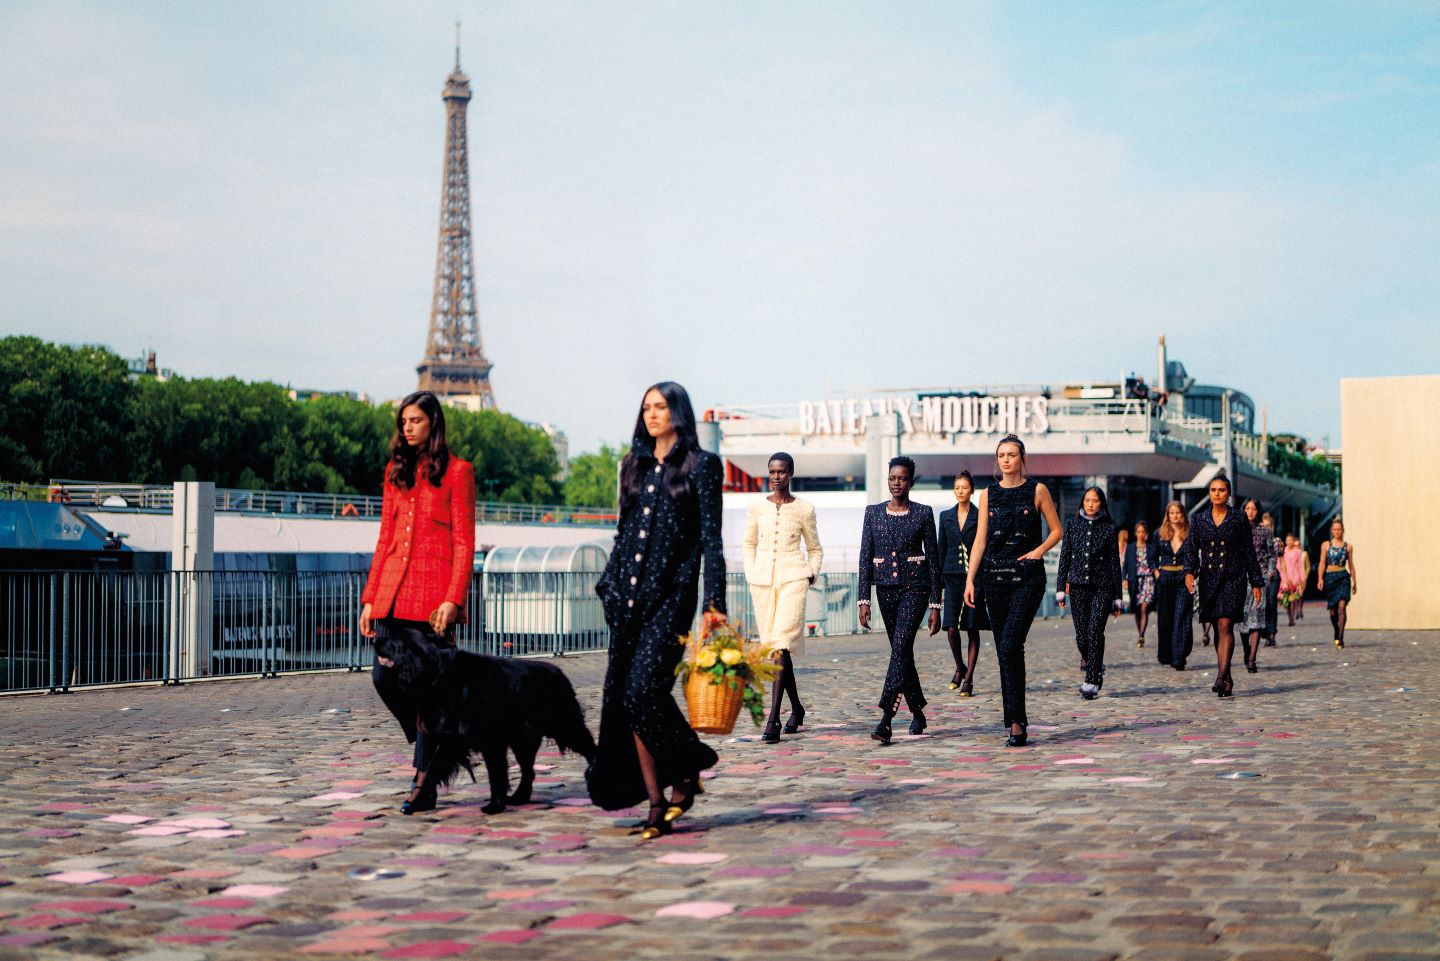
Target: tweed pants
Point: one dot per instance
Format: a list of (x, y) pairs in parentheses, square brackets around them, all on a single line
[(902, 609)]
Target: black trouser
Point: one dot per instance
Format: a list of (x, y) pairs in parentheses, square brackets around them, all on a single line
[(1174, 609), (902, 609), (1012, 607), (402, 701), (1089, 609)]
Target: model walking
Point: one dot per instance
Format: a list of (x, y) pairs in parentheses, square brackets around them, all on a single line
[(1009, 555), (780, 573), (1225, 561), (1139, 578), (957, 537), (1089, 581), (1174, 589), (670, 508), (1253, 626), (900, 557), (1272, 582), (420, 572), (1294, 571), (1337, 578)]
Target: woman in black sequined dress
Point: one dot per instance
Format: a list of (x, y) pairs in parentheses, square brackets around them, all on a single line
[(670, 506), (1224, 553), (1009, 554)]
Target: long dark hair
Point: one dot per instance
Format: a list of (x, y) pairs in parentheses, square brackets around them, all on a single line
[(682, 457), (404, 459), (1104, 514)]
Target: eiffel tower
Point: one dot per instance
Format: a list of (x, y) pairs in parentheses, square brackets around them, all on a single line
[(455, 368)]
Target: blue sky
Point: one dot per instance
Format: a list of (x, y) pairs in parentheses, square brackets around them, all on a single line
[(765, 201)]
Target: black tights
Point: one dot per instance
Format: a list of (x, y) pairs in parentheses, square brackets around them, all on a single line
[(1252, 647), (1142, 618), (1224, 644), (965, 667), (784, 686), (1337, 619)]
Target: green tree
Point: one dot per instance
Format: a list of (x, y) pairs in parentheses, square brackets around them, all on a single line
[(593, 478), (63, 411), (513, 463), (220, 428)]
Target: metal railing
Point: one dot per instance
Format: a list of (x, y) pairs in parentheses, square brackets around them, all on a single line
[(159, 498), (63, 630)]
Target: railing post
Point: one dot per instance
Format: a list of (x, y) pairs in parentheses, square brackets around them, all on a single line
[(66, 641), (54, 637), (558, 642), (169, 597), (352, 630)]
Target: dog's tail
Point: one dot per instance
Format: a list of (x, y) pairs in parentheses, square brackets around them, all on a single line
[(451, 757), (567, 724)]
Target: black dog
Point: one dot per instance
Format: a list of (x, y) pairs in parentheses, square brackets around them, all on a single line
[(477, 704)]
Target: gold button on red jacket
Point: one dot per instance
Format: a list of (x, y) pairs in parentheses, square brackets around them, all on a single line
[(426, 550)]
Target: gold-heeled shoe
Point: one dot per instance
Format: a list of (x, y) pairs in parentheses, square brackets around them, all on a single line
[(956, 680), (656, 824), (692, 789)]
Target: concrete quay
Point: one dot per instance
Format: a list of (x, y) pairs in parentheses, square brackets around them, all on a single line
[(257, 819)]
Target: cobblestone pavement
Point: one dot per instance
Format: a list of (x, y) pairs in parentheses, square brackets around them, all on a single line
[(231, 820)]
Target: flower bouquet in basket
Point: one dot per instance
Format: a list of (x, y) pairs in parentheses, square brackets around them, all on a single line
[(723, 671)]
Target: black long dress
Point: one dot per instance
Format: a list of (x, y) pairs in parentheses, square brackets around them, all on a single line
[(1174, 605), (649, 594), (1226, 564)]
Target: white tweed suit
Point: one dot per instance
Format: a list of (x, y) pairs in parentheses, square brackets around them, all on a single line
[(777, 569)]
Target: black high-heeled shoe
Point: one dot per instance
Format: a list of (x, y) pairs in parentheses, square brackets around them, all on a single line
[(795, 721), (771, 734), (956, 680), (656, 824), (917, 721), (420, 800), (1252, 667), (967, 687), (1227, 685), (692, 789), (1018, 740), (881, 732)]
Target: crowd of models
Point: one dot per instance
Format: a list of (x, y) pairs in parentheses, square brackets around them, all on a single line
[(978, 567)]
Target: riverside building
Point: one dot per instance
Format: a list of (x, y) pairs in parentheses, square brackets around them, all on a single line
[(1143, 443)]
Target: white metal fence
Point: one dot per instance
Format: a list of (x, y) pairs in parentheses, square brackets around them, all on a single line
[(62, 630)]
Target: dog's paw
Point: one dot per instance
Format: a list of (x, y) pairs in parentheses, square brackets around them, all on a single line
[(492, 807), (520, 797)]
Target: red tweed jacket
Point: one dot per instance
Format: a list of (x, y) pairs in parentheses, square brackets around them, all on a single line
[(426, 549)]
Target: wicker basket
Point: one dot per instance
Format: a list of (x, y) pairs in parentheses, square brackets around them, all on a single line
[(713, 707)]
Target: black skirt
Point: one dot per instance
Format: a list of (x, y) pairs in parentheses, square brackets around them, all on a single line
[(1337, 587)]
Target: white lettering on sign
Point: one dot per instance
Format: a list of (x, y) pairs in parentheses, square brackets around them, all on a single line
[(1010, 414)]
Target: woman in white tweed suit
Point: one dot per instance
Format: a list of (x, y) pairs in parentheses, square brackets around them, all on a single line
[(780, 575)]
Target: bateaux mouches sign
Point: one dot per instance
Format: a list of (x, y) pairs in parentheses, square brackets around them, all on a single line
[(931, 414)]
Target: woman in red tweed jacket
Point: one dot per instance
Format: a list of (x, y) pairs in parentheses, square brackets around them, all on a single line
[(420, 573)]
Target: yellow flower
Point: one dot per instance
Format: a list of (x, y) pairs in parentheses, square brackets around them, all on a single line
[(705, 658), (731, 656)]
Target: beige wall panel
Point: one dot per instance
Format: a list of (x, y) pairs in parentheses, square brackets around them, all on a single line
[(1391, 484)]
